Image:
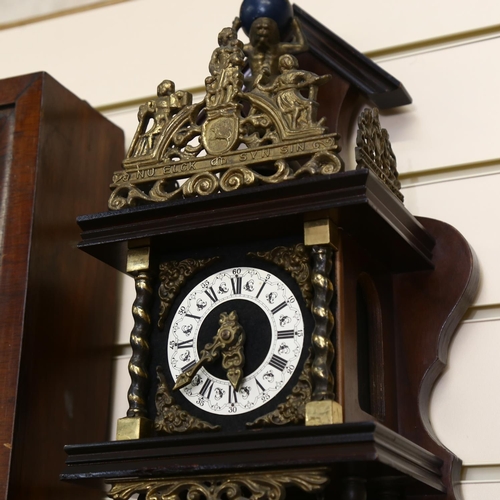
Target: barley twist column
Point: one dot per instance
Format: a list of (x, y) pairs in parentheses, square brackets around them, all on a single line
[(321, 237), (323, 349), (137, 424), (139, 340)]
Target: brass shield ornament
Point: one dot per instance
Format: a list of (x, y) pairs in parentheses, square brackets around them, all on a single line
[(220, 134)]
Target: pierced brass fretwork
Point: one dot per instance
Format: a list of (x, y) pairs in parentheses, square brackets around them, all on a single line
[(264, 486)]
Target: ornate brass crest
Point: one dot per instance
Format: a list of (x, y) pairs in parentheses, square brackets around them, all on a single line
[(264, 132), (374, 150), (220, 133)]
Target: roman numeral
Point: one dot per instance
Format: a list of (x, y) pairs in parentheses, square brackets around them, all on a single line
[(187, 344), (231, 395), (277, 308), (278, 363), (261, 288), (187, 367), (286, 334), (193, 316), (210, 292), (206, 390), (236, 282)]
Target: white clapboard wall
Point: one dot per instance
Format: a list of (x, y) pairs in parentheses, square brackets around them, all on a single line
[(114, 53)]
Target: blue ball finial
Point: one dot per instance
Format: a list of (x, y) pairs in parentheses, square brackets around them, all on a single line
[(279, 10)]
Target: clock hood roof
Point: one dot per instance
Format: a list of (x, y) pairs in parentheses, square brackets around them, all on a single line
[(368, 78)]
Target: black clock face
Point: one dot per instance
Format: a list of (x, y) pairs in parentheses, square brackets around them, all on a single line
[(273, 323)]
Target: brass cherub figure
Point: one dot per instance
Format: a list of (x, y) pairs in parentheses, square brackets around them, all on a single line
[(286, 87), (265, 47)]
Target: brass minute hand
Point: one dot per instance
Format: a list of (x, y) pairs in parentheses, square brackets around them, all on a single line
[(229, 339)]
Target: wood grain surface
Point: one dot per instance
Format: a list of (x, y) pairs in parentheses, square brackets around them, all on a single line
[(57, 325)]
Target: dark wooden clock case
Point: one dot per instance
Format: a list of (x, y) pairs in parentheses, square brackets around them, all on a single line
[(407, 280), (402, 284)]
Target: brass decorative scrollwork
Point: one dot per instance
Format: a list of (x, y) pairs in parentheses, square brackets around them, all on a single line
[(293, 410), (259, 485), (374, 150), (171, 418), (173, 275), (266, 133), (294, 260)]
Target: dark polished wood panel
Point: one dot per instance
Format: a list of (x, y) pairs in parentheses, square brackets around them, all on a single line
[(56, 158), (367, 448)]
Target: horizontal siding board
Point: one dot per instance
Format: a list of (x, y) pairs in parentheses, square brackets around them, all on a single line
[(16, 10), (455, 113), (464, 408), (371, 26), (116, 53), (121, 384), (470, 205), (489, 491), (126, 320)]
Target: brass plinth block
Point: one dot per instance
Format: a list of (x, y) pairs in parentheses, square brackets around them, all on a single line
[(133, 428), (321, 232), (138, 259), (323, 413)]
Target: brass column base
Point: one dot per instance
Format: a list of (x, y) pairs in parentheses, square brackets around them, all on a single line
[(323, 413), (133, 428)]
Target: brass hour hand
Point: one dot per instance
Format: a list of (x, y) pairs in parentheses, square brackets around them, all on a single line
[(233, 357), (185, 377), (228, 340)]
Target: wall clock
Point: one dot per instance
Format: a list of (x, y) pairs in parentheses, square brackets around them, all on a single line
[(289, 315)]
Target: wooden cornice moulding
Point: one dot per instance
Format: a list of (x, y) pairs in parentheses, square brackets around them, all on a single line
[(354, 199), (381, 88)]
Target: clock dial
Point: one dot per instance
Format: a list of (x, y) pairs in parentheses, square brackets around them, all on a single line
[(274, 339)]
